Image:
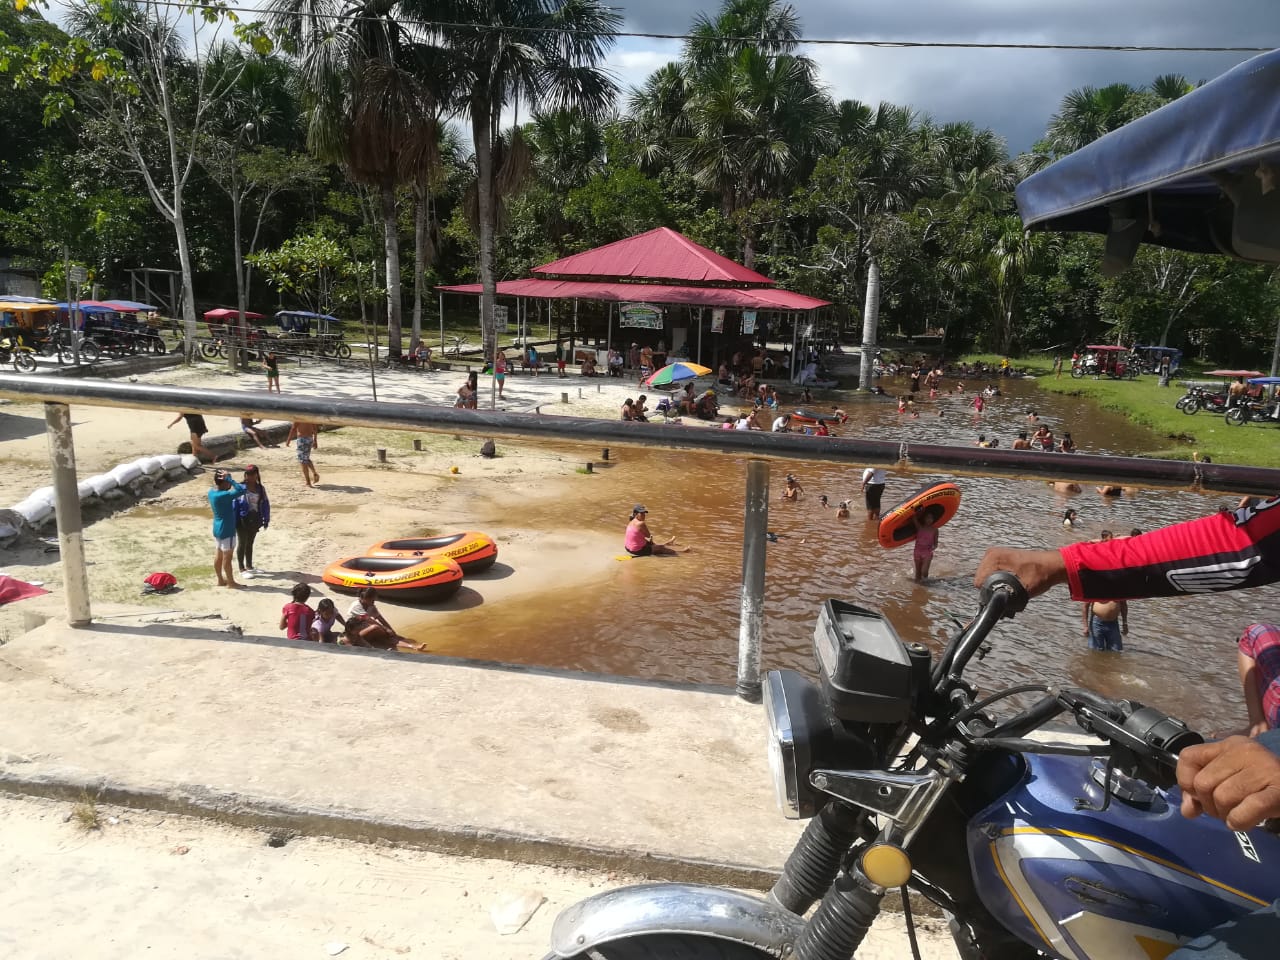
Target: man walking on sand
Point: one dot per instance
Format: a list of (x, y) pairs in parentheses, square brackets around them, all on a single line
[(307, 435), (222, 503), (196, 424)]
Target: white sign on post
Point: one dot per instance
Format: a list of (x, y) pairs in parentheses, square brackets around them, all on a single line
[(78, 274), (500, 318), (748, 322)]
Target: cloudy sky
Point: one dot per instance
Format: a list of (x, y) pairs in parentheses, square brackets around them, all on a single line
[(1014, 92)]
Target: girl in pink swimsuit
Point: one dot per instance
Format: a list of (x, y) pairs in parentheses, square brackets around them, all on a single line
[(638, 541)]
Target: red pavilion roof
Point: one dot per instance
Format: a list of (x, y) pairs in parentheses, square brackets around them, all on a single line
[(661, 255)]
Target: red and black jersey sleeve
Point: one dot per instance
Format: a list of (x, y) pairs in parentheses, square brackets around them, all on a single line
[(1227, 551)]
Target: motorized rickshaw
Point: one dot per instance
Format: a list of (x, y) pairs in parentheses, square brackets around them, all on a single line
[(1262, 405), (1150, 358), (296, 334), (1105, 361)]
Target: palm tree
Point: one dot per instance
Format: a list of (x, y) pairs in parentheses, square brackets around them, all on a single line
[(1089, 113), (568, 147), (367, 107), (520, 53)]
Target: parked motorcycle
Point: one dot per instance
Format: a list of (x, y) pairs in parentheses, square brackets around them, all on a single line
[(913, 785), (1198, 398), (22, 357)]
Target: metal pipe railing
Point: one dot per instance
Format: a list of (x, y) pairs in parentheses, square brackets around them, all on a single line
[(1022, 464)]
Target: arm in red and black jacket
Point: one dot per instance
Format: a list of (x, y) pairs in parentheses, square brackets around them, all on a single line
[(1226, 551)]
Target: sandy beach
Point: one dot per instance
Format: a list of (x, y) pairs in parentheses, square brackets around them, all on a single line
[(357, 502)]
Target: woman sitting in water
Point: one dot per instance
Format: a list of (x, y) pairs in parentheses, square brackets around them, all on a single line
[(1069, 517), (638, 541)]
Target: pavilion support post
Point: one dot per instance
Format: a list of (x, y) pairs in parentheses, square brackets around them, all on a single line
[(702, 312), (755, 524), (66, 498), (608, 338)]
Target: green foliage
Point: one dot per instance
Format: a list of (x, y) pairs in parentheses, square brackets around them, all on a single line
[(314, 268)]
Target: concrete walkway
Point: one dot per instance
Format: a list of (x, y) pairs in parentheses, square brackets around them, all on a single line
[(523, 764), (107, 882)]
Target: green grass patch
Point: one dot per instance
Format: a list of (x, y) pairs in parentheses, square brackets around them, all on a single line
[(1144, 402)]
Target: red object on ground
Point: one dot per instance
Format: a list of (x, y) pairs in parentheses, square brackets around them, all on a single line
[(12, 590)]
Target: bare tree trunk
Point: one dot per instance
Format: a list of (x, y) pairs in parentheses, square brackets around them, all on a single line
[(749, 250), (482, 130), (391, 245), (242, 296), (188, 288), (420, 242), (870, 320)]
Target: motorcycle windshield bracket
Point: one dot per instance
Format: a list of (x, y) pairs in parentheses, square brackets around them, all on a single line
[(901, 797)]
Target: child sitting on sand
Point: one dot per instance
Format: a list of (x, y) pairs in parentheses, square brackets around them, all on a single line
[(367, 627), (324, 629), (296, 617)]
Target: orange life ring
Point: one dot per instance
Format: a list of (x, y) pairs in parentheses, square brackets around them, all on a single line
[(408, 579), (898, 526), (471, 550)]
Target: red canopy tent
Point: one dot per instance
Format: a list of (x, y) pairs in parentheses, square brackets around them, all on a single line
[(222, 313), (660, 266)]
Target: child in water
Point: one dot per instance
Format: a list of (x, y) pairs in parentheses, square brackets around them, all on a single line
[(926, 543), (792, 490), (842, 511)]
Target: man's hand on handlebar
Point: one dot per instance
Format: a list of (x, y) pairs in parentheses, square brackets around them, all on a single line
[(1037, 569), (1236, 780)]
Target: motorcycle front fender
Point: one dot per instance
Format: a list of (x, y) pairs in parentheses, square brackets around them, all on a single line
[(674, 908)]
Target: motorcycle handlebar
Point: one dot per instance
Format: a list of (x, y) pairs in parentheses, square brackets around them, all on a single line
[(1002, 595), (1149, 738)]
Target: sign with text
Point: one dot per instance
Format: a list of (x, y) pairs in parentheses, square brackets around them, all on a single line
[(748, 321), (646, 316), (500, 318), (717, 321)]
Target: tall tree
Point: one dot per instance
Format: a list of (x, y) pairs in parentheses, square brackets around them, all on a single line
[(151, 96), (528, 54), (368, 108)]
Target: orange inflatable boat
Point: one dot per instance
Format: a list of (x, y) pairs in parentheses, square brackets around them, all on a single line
[(471, 550), (939, 501), (406, 579)]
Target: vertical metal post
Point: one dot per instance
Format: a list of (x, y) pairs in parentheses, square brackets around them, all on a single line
[(1275, 352), (62, 454), (442, 326), (755, 524)]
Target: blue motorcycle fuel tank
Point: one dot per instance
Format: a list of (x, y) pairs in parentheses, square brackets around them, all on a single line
[(1132, 881)]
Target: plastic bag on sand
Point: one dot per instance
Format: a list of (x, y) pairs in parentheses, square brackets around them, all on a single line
[(35, 512), (102, 483), (126, 472), (513, 910)]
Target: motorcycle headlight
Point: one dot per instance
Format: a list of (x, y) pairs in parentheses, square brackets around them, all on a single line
[(794, 712)]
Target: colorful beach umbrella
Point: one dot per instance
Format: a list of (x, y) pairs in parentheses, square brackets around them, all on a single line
[(677, 372)]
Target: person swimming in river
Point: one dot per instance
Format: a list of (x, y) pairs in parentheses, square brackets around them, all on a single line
[(842, 511), (1068, 517), (792, 490)]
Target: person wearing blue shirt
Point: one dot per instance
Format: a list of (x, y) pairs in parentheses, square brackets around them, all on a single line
[(222, 501)]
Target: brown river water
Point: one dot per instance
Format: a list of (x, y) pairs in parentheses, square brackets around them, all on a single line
[(676, 618)]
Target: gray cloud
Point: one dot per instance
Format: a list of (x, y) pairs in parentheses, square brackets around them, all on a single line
[(1014, 92)]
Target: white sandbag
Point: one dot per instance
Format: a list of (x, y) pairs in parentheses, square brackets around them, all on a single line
[(125, 472), (11, 524), (190, 461), (116, 494), (102, 483), (43, 494), (34, 512), (169, 460), (177, 473), (149, 465), (85, 490)]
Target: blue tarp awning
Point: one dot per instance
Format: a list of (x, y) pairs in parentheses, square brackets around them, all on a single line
[(308, 315), (1200, 174), (87, 309)]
